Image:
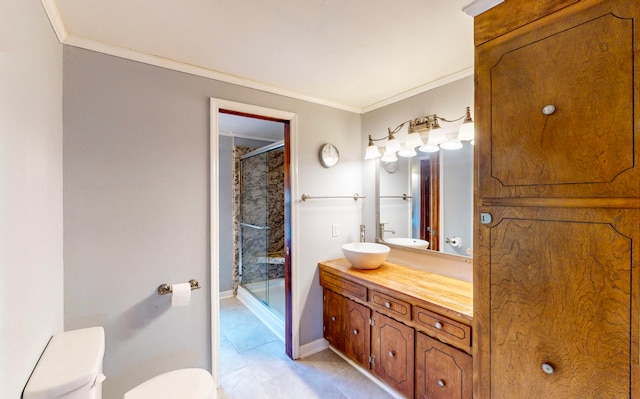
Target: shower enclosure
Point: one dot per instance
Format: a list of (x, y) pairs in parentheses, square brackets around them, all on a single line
[(261, 226)]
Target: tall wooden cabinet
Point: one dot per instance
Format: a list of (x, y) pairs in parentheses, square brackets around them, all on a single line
[(557, 242)]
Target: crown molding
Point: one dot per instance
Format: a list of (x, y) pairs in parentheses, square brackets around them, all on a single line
[(65, 38), (479, 6), (55, 19), (195, 70), (420, 89)]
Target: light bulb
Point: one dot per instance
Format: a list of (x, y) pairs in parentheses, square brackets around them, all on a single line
[(466, 131), (372, 152), (453, 144)]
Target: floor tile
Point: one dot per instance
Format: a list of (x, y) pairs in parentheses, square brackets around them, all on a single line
[(240, 384), (306, 383), (357, 386), (254, 365)]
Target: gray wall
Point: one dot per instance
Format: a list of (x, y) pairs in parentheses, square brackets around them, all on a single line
[(31, 269), (136, 161)]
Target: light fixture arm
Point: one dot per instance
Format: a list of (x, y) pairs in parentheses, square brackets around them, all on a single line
[(417, 125)]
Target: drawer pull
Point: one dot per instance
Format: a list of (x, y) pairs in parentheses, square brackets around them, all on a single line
[(355, 332), (547, 368), (387, 305), (392, 354), (333, 318), (438, 325), (548, 109), (441, 383)]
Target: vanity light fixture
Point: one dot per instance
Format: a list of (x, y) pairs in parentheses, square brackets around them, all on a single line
[(435, 138)]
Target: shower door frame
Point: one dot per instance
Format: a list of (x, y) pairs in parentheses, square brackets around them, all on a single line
[(267, 227), (292, 316)]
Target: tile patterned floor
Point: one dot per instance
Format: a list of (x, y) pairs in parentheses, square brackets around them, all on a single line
[(254, 366)]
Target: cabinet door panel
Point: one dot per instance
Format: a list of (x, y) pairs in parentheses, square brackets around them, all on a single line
[(561, 317), (588, 146), (393, 349), (333, 319), (442, 372), (357, 333)]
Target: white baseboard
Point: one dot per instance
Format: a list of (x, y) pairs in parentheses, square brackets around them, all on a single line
[(226, 294), (260, 310), (313, 347)]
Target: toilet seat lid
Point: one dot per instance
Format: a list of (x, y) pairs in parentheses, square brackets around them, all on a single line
[(183, 383)]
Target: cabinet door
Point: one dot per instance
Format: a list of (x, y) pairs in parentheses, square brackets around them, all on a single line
[(333, 318), (392, 347), (556, 314), (442, 372), (555, 108), (357, 333)]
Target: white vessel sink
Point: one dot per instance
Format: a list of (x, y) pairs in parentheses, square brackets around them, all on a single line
[(408, 242), (365, 255)]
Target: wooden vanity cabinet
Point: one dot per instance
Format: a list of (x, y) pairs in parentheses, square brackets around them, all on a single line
[(357, 333), (392, 353), (416, 336), (333, 319), (442, 372), (557, 234)]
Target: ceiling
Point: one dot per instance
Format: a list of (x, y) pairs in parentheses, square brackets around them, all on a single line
[(356, 55)]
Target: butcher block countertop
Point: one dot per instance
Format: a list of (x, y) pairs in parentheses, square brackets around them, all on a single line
[(444, 295)]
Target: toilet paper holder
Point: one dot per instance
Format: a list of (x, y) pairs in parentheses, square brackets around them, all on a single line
[(165, 289)]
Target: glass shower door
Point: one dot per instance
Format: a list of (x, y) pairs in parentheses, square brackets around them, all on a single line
[(254, 225)]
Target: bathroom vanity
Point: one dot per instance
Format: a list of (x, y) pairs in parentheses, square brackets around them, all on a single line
[(410, 328)]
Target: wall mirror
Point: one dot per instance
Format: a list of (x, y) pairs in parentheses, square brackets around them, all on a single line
[(426, 202)]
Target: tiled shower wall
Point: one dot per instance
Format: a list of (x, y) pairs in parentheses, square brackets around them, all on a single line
[(255, 267)]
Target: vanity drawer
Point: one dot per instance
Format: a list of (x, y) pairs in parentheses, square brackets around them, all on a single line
[(446, 330), (342, 286), (386, 304)]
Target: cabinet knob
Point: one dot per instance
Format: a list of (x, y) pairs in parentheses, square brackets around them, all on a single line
[(333, 318), (548, 109), (441, 383), (355, 332), (547, 368), (392, 354), (387, 305), (438, 325)]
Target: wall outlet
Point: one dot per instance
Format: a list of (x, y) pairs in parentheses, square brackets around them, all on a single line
[(335, 230)]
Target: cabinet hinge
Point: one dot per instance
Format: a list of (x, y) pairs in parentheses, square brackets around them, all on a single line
[(372, 359), (324, 297), (372, 321)]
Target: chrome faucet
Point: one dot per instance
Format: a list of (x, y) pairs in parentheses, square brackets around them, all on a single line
[(362, 233), (383, 230)]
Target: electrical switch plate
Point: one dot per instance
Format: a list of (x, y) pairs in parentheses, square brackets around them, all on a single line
[(335, 230)]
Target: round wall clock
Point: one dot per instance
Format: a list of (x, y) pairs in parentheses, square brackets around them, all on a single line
[(329, 155), (390, 166)]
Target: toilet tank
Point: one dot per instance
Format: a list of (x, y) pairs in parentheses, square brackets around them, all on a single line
[(70, 367)]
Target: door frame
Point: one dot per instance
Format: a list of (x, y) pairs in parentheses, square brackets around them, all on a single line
[(292, 316)]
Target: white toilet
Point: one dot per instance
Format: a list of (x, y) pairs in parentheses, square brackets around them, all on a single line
[(71, 368)]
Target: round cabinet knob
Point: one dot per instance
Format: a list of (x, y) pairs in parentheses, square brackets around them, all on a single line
[(392, 354), (548, 109), (438, 325), (333, 318), (387, 305), (355, 332), (441, 383), (547, 368)]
